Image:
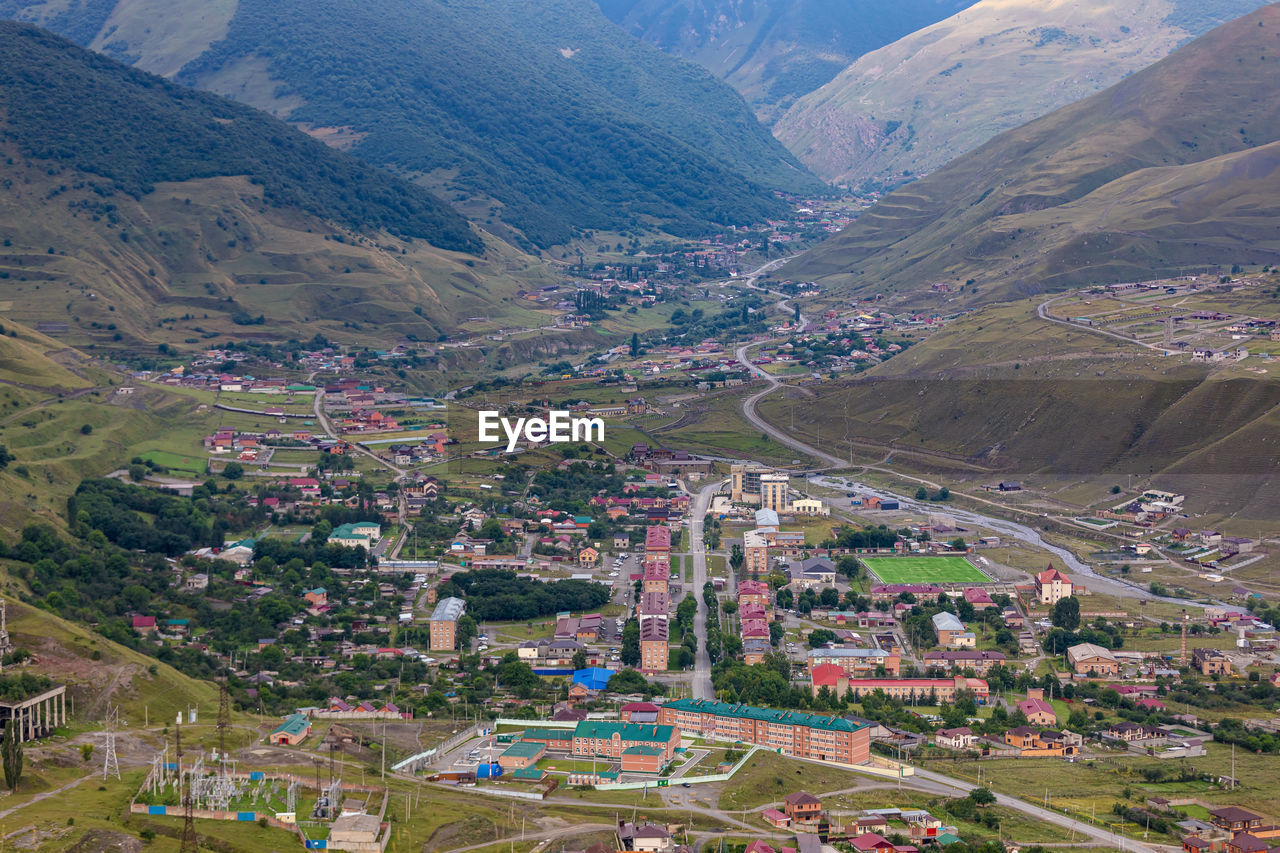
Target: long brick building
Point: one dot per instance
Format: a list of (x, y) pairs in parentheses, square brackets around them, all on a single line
[(792, 732)]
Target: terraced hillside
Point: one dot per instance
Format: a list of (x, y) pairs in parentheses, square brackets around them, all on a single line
[(1172, 170), (911, 107)]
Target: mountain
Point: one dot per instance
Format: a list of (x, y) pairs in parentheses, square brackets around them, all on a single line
[(774, 51), (1174, 169), (540, 115), (127, 200), (915, 105)]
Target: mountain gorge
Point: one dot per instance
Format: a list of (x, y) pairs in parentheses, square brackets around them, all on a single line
[(1174, 169), (913, 106), (543, 117), (774, 51)]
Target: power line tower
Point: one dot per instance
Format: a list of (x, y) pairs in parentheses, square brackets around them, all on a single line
[(110, 762), (188, 844), (224, 718)]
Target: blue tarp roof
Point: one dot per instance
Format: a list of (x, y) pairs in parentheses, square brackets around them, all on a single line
[(593, 678)]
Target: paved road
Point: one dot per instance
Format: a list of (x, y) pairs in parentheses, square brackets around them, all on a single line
[(702, 688), (1042, 311)]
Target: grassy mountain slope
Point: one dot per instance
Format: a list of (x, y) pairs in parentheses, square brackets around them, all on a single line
[(1172, 168), (998, 395), (128, 200), (546, 109), (913, 106), (774, 51)]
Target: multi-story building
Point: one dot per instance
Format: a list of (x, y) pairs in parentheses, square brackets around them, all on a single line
[(951, 631), (958, 661), (1052, 585), (744, 482), (444, 623), (655, 635), (594, 737), (754, 592), (775, 492), (1037, 710), (857, 661), (654, 605), (795, 733), (657, 544), (657, 576), (755, 548), (923, 690), (1211, 661)]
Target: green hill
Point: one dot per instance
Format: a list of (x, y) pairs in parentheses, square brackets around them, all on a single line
[(543, 116), (913, 106), (774, 51), (129, 200), (1168, 171)]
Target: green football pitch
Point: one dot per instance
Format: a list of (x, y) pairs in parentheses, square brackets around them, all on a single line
[(925, 570)]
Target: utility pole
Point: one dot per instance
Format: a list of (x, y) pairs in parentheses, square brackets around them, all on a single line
[(188, 844), (224, 719), (110, 762)]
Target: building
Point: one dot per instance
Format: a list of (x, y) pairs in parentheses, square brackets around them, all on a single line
[(766, 520), (611, 740), (642, 759), (813, 572), (744, 482), (1235, 819), (655, 636), (958, 661), (802, 807), (960, 738), (1211, 661), (775, 491), (521, 754), (1091, 659), (357, 832), (791, 732), (639, 712), (928, 691), (657, 543), (1052, 585), (1032, 742), (38, 713), (644, 838), (753, 592), (1037, 711), (810, 506), (755, 548), (857, 661), (951, 631), (657, 577), (444, 623), (359, 535), (292, 731)]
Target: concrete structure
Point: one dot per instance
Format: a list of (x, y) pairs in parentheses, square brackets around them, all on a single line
[(810, 506), (1091, 659), (795, 733), (775, 489), (37, 715), (444, 623), (657, 577), (1211, 661), (754, 592), (1052, 585), (744, 481), (958, 661)]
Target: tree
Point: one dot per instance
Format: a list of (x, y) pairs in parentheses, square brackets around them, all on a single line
[(1066, 613), (736, 558), (5, 457), (820, 637), (631, 643), (797, 312), (466, 632), (635, 344), (922, 494), (11, 752), (233, 471), (982, 796), (580, 659)]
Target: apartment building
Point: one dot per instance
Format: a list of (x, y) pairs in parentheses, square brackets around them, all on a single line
[(813, 736)]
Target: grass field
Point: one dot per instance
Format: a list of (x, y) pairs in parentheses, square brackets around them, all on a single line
[(925, 570)]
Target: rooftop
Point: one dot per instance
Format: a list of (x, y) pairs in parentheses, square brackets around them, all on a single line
[(794, 718)]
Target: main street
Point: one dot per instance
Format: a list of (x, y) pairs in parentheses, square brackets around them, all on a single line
[(702, 688)]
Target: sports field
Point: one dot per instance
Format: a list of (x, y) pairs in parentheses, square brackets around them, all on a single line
[(925, 570)]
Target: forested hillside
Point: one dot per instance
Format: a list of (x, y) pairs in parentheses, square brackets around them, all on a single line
[(63, 104)]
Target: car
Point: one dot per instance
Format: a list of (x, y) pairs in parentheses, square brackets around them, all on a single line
[(684, 785), (483, 647)]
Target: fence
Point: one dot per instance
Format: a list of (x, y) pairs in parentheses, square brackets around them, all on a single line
[(415, 762)]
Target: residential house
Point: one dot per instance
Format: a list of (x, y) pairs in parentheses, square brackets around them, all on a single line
[(802, 807), (1235, 819), (959, 738), (1052, 585), (1037, 711)]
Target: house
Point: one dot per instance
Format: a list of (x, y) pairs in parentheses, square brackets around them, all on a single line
[(872, 842), (293, 731), (644, 838), (639, 712), (1211, 662), (1130, 732), (1091, 659), (588, 556), (1247, 842), (1037, 711), (802, 807), (1032, 742), (960, 738), (1052, 585), (1235, 819), (144, 624), (775, 818), (979, 661), (318, 597)]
